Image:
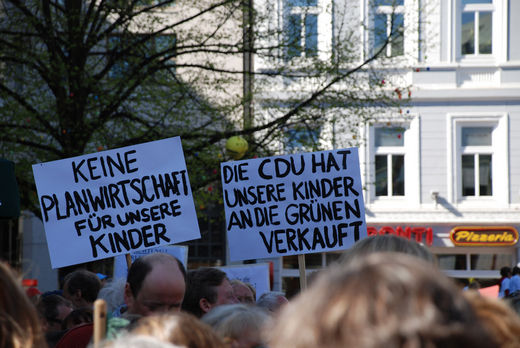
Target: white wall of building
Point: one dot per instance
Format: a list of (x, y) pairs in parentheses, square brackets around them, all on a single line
[(450, 89), (36, 262)]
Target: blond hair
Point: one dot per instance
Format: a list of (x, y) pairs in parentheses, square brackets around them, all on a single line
[(181, 328)]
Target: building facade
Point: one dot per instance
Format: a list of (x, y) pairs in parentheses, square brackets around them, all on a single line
[(446, 170)]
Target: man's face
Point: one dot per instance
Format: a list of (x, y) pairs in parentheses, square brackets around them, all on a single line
[(243, 294), (162, 290), (225, 294), (70, 296), (54, 324)]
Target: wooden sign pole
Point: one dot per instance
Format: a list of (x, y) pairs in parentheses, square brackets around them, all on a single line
[(100, 322), (128, 260), (303, 275)]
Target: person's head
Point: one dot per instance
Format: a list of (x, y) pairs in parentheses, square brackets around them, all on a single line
[(474, 285), (19, 324), (240, 325), (516, 270), (155, 283), (272, 301), (243, 292), (136, 341), (113, 293), (388, 300), (387, 243), (53, 309), (103, 278), (208, 288), (497, 317), (180, 328), (253, 290), (77, 317), (505, 271), (34, 294), (81, 287)]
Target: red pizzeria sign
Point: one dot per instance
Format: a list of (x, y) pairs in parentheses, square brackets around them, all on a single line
[(417, 233), (484, 235)]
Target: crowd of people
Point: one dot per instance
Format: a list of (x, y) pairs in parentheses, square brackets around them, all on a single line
[(385, 291)]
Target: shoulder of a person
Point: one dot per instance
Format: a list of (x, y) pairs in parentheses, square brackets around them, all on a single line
[(116, 326)]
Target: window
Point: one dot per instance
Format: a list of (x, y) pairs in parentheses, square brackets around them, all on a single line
[(301, 139), (210, 249), (474, 262), (490, 261), (312, 261), (478, 157), (476, 27), (452, 261), (389, 161), (388, 25), (149, 2), (290, 274), (119, 3), (121, 66), (301, 28), (139, 51), (476, 161)]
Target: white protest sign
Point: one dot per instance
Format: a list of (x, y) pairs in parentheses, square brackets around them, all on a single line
[(293, 204), (117, 201), (121, 267), (256, 274)]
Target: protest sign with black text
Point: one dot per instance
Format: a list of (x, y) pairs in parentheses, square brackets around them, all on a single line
[(293, 204), (117, 201)]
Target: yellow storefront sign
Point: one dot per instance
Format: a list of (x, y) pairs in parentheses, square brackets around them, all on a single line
[(484, 236)]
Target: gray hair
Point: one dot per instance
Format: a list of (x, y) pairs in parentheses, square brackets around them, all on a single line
[(387, 243), (231, 321), (270, 300)]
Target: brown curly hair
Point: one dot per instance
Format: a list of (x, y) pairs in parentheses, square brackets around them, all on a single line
[(180, 328), (389, 300), (19, 323)]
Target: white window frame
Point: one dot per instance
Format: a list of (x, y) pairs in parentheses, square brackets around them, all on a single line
[(500, 159), (499, 29), (297, 146), (116, 40), (474, 9), (411, 153), (303, 11), (324, 13), (476, 152), (388, 11), (412, 12), (390, 152)]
